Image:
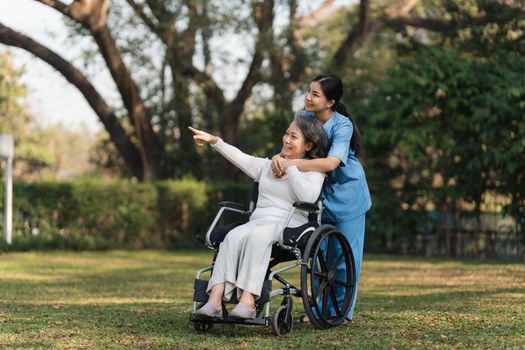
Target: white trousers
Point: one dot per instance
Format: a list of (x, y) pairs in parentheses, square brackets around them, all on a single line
[(244, 256)]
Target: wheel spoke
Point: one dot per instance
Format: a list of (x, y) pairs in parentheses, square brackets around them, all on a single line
[(322, 262), (330, 250), (343, 283), (325, 304), (320, 275), (320, 289), (333, 296), (340, 258)]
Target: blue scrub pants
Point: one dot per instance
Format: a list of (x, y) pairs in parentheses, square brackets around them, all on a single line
[(354, 231)]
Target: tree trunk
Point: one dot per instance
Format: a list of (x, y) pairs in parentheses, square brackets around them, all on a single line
[(118, 136), (149, 146)]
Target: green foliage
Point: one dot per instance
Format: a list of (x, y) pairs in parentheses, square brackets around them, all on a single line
[(40, 151), (15, 118), (501, 27), (181, 208), (116, 213), (451, 125), (104, 214)]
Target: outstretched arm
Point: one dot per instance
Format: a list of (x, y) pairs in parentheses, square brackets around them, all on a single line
[(202, 137), (251, 166)]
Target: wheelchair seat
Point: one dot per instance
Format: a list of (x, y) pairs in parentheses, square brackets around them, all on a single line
[(292, 236)]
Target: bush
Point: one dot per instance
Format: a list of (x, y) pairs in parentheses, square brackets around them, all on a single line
[(99, 214)]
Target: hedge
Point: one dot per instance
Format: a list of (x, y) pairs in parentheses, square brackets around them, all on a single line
[(98, 214)]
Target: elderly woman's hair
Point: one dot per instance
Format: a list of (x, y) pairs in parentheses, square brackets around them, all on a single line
[(314, 133)]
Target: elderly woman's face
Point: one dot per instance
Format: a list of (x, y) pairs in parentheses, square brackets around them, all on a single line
[(294, 143)]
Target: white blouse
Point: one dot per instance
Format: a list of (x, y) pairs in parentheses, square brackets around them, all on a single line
[(276, 196)]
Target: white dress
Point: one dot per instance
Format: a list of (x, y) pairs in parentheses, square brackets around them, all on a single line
[(244, 254)]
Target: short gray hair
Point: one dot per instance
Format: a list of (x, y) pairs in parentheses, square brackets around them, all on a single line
[(314, 133)]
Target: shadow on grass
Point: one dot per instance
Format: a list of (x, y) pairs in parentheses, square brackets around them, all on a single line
[(425, 300)]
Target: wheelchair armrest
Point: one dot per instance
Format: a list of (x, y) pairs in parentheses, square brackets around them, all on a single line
[(309, 207), (229, 206), (232, 205)]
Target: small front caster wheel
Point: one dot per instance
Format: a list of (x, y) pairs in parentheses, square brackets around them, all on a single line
[(281, 324), (202, 326)]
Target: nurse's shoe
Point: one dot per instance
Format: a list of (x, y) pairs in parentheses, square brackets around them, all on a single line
[(209, 311), (243, 312)]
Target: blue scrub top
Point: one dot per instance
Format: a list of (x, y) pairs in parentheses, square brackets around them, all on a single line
[(349, 197)]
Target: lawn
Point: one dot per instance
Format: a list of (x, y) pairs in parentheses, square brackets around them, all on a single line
[(142, 300)]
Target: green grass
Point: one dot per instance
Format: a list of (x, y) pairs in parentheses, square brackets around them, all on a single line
[(143, 299)]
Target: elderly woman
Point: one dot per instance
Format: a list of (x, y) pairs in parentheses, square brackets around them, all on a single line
[(244, 255)]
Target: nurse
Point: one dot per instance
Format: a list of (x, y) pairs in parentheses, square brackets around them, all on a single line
[(346, 198)]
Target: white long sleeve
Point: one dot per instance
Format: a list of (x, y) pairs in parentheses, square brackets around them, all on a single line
[(306, 185), (250, 165), (276, 195)]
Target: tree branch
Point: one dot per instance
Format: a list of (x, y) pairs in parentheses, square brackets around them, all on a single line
[(357, 35), (92, 14), (105, 113), (206, 83), (159, 10), (57, 5), (399, 16), (450, 27), (166, 30), (314, 15), (263, 15), (139, 10)]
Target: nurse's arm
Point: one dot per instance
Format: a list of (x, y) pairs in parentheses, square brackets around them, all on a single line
[(323, 165)]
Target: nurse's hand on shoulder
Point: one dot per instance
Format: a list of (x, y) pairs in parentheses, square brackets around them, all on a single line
[(202, 137)]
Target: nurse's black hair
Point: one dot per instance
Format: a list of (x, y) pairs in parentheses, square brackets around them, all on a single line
[(313, 133), (332, 87)]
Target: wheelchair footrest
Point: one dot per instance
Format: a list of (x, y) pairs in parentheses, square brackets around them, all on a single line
[(200, 286), (258, 321)]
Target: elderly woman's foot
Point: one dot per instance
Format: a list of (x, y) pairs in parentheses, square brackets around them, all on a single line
[(243, 312), (209, 310)]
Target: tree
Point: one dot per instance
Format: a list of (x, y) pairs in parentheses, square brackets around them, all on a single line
[(151, 138), (454, 130), (141, 147)]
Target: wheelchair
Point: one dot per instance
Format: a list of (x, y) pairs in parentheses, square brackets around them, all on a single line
[(314, 248)]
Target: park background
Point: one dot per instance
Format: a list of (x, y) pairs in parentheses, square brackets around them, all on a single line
[(108, 196), (436, 88)]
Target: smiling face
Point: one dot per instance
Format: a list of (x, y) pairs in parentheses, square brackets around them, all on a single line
[(315, 100), (294, 143)]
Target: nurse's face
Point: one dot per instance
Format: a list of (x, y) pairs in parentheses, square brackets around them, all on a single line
[(315, 100), (294, 143)]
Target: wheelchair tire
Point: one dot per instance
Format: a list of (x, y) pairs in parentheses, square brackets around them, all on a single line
[(320, 279), (202, 326), (282, 326)]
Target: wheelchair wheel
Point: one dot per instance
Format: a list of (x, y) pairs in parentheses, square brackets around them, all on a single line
[(281, 325), (202, 326), (327, 277)]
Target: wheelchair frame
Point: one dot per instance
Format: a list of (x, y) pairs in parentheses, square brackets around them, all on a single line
[(315, 272)]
